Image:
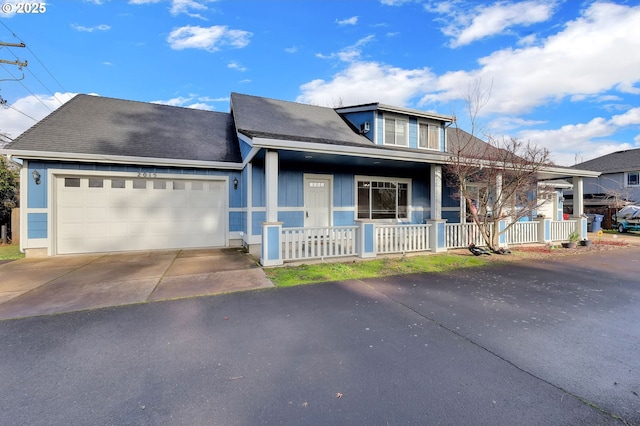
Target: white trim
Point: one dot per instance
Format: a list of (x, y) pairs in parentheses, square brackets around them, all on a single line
[(428, 123), (409, 183), (122, 159), (626, 179), (24, 197), (54, 174), (353, 151), (307, 176), (271, 178), (37, 210), (397, 119), (291, 209), (390, 108), (109, 173)]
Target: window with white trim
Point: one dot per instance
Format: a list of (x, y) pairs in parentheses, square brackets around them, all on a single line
[(428, 135), (382, 199), (633, 178), (396, 130)]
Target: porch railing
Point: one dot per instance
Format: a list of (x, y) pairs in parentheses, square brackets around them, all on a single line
[(522, 233), (560, 229), (460, 235), (317, 243), (401, 238)]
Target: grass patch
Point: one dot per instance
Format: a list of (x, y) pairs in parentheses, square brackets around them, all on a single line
[(10, 252), (322, 272)]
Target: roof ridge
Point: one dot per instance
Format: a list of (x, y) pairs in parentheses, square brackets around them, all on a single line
[(280, 100)]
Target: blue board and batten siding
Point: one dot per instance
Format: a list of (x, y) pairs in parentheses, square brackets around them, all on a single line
[(291, 196)]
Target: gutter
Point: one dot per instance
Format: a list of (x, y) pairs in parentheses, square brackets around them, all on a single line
[(120, 159)]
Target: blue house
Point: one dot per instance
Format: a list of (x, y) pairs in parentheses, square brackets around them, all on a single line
[(283, 179)]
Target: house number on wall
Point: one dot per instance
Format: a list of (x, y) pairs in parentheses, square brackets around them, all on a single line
[(147, 175)]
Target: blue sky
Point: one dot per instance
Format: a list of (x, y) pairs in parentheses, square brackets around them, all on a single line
[(563, 74)]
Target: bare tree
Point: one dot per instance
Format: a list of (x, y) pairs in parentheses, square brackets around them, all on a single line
[(498, 179)]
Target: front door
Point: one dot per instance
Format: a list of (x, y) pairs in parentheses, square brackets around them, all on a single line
[(317, 200)]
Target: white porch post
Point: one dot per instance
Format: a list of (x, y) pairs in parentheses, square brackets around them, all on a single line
[(578, 196), (498, 195), (578, 207), (463, 210), (271, 229), (436, 192), (271, 185)]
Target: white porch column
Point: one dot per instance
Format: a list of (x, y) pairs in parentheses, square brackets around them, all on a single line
[(271, 185), (498, 194), (463, 210), (578, 196), (436, 192)]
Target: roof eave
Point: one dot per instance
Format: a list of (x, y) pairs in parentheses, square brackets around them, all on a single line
[(356, 151), (120, 159)]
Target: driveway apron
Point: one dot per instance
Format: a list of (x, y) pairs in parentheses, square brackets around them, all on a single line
[(42, 286)]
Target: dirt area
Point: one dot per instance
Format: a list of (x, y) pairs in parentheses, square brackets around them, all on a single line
[(604, 242)]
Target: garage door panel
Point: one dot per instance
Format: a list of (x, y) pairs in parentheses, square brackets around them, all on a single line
[(149, 214)]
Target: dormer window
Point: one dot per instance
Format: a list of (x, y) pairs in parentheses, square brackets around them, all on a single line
[(633, 178), (396, 130), (428, 135)]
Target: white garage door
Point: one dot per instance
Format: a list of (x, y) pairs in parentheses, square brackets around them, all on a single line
[(102, 214)]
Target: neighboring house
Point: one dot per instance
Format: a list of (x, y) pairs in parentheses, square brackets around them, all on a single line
[(617, 185), (107, 175)]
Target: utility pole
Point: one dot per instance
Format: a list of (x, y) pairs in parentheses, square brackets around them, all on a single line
[(17, 62)]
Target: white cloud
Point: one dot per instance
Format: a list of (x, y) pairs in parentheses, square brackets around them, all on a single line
[(187, 7), (395, 2), (102, 27), (629, 118), (192, 101), (236, 66), (207, 38), (591, 55), (349, 21), (466, 26), (22, 114), (364, 82), (292, 49), (349, 53), (587, 139)]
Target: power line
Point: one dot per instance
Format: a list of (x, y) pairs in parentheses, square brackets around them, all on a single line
[(36, 77), (23, 113), (19, 80), (36, 57)]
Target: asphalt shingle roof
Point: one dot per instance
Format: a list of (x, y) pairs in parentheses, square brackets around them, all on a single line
[(621, 161), (105, 126), (270, 118)]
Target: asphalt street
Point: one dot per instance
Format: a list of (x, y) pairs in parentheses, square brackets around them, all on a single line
[(541, 343)]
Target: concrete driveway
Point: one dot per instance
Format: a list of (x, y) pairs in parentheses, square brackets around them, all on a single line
[(40, 286)]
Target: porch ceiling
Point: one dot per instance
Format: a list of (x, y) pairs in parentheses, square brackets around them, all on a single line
[(341, 161)]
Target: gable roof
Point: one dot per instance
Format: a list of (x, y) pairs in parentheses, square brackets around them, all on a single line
[(376, 106), (259, 117), (616, 162), (107, 127)]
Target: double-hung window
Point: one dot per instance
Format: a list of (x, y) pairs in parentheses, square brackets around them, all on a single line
[(396, 130), (382, 198), (428, 135), (633, 178)]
